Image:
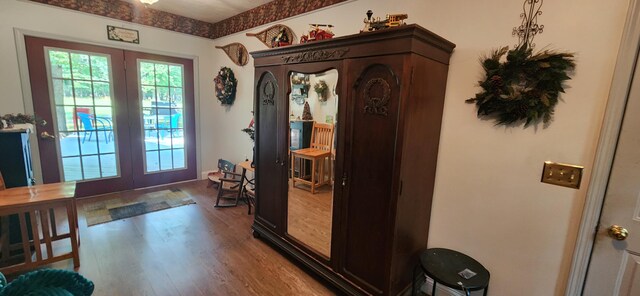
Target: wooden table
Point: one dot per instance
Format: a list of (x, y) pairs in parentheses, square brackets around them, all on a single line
[(246, 166), (37, 202)]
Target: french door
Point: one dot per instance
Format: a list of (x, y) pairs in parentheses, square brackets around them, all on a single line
[(117, 119)]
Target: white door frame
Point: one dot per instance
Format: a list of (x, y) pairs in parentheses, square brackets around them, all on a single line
[(609, 133)]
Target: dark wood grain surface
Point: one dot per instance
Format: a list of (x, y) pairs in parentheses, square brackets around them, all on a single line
[(391, 91)]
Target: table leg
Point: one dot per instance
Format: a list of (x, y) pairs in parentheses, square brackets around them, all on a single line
[(73, 233), (433, 290), (4, 220), (313, 176), (241, 189), (75, 214), (293, 170)]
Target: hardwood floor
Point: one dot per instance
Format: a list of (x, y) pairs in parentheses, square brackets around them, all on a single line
[(309, 217), (189, 250)]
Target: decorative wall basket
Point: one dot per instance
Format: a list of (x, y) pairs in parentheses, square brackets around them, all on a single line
[(236, 52), (268, 35)]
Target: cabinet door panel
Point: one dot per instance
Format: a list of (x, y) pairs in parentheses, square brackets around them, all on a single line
[(374, 97), (268, 158)]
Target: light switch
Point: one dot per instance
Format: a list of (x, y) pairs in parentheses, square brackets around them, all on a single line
[(561, 174)]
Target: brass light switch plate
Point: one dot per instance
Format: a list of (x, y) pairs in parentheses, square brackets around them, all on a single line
[(561, 174)]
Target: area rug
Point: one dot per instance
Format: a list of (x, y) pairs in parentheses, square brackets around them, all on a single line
[(108, 210)]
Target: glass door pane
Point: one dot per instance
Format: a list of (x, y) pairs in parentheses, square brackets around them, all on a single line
[(83, 111), (162, 109)]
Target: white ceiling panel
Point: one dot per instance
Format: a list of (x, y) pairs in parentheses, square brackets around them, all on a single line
[(205, 10)]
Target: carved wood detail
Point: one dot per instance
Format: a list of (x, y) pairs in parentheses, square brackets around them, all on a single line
[(377, 101), (315, 55), (268, 90)]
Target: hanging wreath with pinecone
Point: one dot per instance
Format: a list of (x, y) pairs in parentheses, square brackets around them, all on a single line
[(524, 87), (226, 84)]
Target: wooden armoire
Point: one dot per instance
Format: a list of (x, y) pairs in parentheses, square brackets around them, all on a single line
[(391, 91)]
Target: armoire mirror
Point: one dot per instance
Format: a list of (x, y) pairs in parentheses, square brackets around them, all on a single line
[(312, 156)]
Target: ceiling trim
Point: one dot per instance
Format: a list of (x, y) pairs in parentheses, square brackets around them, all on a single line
[(137, 13), (267, 13)]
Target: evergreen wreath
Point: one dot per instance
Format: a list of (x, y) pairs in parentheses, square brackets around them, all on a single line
[(226, 84), (320, 88), (525, 87)]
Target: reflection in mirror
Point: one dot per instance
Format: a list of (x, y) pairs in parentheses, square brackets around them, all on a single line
[(313, 109)]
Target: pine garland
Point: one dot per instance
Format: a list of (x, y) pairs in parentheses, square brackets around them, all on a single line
[(20, 118), (226, 84), (525, 87)]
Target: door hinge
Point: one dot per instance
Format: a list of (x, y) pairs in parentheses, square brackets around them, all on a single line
[(124, 63)]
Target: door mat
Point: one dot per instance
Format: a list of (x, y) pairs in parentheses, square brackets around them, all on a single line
[(104, 211)]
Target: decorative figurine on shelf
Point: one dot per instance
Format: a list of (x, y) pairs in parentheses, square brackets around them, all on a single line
[(282, 39), (375, 23), (317, 33), (226, 84), (306, 112), (320, 88)]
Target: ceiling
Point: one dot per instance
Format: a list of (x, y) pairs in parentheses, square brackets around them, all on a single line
[(205, 10)]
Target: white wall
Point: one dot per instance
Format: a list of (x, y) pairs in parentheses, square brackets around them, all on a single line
[(64, 24), (488, 202)]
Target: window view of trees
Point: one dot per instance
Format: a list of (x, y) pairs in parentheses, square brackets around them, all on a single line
[(84, 114)]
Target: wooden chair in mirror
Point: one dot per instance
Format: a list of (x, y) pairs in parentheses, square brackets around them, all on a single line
[(318, 153)]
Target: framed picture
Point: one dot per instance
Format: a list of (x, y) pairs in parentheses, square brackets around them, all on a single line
[(123, 34)]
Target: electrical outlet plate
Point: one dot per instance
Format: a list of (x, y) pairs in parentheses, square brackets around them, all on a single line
[(561, 174)]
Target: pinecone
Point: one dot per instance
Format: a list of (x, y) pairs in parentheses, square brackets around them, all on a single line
[(496, 81)]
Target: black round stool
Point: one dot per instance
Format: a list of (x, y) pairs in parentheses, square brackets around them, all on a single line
[(450, 268)]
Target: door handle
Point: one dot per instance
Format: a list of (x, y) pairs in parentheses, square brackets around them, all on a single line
[(46, 136), (344, 180), (618, 232)]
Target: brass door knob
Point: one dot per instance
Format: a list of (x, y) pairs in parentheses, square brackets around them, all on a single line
[(618, 232)]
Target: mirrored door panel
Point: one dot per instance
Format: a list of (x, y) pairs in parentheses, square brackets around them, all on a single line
[(313, 110)]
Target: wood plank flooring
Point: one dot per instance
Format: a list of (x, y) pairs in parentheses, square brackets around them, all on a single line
[(310, 217), (189, 250)]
